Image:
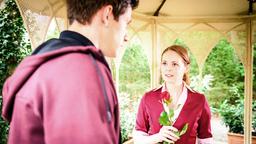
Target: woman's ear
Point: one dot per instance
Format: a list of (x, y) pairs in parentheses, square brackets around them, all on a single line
[(107, 14)]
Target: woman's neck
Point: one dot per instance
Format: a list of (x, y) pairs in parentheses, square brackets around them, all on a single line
[(174, 90)]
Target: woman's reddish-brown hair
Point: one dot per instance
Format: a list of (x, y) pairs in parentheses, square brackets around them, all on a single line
[(183, 53)]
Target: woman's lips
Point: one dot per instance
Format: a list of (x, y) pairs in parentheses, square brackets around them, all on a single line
[(169, 75)]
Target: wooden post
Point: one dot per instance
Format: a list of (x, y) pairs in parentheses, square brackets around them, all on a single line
[(154, 79), (248, 86)]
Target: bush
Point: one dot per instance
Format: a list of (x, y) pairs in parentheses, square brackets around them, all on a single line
[(127, 115), (254, 117), (134, 76), (14, 46), (3, 128), (233, 115), (227, 73)]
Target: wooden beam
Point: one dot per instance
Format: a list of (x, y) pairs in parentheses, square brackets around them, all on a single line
[(156, 13)]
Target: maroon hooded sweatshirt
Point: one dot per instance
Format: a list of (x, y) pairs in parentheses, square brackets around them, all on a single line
[(62, 94)]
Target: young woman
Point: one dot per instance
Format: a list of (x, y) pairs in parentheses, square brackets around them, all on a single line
[(189, 106)]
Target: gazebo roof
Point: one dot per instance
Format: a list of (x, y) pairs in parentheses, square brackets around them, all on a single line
[(37, 15), (172, 8), (194, 8)]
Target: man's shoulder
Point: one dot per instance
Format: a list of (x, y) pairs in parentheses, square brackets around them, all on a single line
[(69, 61)]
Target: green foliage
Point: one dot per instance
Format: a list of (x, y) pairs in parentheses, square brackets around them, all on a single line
[(134, 72), (163, 119), (232, 111), (228, 74), (228, 70), (232, 116), (3, 128), (128, 115), (134, 81), (14, 45), (13, 48), (184, 129), (254, 116)]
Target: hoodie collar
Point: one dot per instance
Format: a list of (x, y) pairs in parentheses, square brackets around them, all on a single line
[(77, 38)]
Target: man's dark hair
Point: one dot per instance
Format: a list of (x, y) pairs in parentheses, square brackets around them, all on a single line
[(84, 10)]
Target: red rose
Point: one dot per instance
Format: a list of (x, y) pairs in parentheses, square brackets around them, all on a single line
[(165, 95)]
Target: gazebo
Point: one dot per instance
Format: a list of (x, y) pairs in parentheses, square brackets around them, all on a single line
[(157, 23)]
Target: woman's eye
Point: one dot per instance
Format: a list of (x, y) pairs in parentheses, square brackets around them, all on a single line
[(164, 63), (175, 64)]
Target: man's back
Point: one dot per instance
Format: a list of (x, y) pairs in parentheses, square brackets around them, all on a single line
[(62, 101)]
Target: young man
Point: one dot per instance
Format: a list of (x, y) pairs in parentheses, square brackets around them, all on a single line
[(63, 93)]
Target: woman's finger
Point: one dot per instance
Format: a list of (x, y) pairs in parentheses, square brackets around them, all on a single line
[(167, 140), (170, 137), (174, 134), (171, 128)]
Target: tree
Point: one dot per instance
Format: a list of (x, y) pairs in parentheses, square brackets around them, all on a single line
[(14, 46), (134, 72), (228, 73), (134, 81)]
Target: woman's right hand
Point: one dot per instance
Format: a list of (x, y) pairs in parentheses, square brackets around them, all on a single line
[(167, 134)]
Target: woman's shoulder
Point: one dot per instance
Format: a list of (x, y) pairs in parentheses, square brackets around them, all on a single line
[(156, 90), (195, 94), (152, 93)]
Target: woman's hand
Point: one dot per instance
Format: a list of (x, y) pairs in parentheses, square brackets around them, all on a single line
[(166, 133)]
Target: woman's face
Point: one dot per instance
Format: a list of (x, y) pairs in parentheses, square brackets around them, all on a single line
[(172, 67)]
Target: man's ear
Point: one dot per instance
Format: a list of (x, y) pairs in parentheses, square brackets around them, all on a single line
[(107, 14)]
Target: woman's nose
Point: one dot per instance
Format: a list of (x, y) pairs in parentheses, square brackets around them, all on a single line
[(126, 38), (169, 68)]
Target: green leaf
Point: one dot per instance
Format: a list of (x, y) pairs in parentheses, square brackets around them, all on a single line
[(184, 129), (171, 113), (163, 119)]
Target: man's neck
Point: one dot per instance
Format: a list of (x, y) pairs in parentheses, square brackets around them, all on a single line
[(86, 30)]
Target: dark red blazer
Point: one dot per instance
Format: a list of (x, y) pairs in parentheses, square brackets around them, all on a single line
[(195, 112)]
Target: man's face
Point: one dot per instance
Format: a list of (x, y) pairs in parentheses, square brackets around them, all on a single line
[(118, 33)]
